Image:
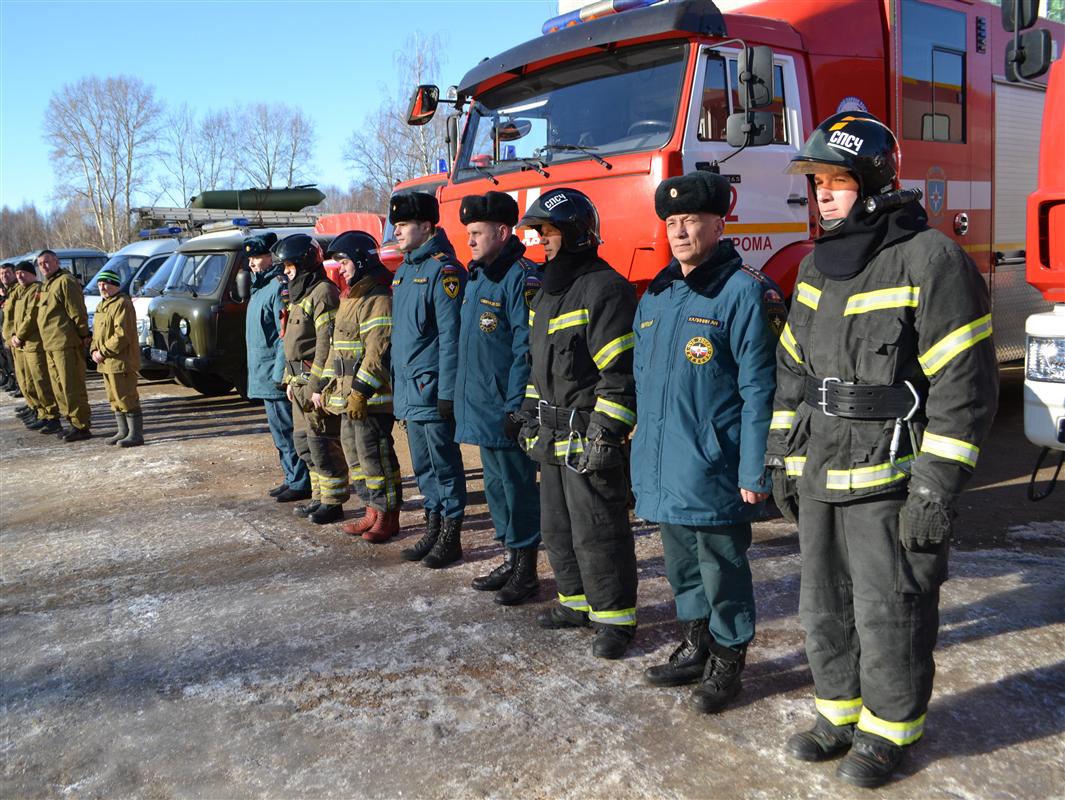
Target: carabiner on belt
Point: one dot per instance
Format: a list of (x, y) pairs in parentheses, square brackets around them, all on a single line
[(574, 436), (896, 435)]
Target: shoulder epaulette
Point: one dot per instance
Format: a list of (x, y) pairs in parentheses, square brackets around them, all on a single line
[(757, 274)]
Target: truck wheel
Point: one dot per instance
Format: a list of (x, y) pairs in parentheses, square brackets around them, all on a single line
[(150, 374), (208, 385)]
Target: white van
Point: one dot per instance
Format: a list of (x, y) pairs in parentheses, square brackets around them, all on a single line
[(131, 262)]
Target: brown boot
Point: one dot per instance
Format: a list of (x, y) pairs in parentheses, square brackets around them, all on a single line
[(384, 528), (362, 524)]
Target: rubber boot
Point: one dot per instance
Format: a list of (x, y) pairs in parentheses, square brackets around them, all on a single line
[(433, 523), (357, 527), (687, 662), (386, 526), (871, 761), (523, 583), (721, 678), (136, 430), (327, 513), (498, 577), (822, 742), (46, 426), (123, 428), (558, 617), (611, 641), (448, 547)]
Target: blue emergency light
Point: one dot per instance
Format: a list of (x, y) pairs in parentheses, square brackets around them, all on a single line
[(166, 230), (441, 165), (603, 8)]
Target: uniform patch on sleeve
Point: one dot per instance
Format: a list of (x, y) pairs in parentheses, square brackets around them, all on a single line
[(775, 310), (532, 286), (451, 285)]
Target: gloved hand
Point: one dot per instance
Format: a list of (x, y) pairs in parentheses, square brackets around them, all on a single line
[(511, 426), (446, 409), (786, 495), (357, 405), (924, 524), (602, 450)]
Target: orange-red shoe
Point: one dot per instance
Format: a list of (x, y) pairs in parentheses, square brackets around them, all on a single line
[(386, 526), (362, 524)]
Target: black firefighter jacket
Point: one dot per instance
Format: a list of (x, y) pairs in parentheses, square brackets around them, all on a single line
[(918, 312)]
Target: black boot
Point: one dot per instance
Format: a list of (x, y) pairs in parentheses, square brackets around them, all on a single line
[(433, 522), (822, 742), (611, 641), (687, 662), (46, 426), (523, 583), (871, 761), (721, 678), (279, 489), (558, 617), (325, 514), (448, 547), (306, 509), (76, 434), (498, 577), (291, 495)]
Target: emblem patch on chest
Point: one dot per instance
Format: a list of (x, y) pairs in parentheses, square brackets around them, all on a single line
[(698, 350), (488, 322)]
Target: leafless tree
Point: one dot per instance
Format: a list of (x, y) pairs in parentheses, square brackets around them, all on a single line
[(102, 132), (196, 155), (385, 150), (275, 143), (354, 198), (21, 230)]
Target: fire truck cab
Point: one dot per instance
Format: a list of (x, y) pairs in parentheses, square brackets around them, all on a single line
[(613, 104)]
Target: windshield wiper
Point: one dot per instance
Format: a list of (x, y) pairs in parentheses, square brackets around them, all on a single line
[(184, 287), (534, 163), (575, 148), (482, 171)]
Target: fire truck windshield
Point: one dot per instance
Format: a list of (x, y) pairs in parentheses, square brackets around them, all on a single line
[(609, 103)]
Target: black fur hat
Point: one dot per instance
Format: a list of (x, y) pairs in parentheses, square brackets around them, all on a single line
[(698, 192), (418, 206), (489, 207)]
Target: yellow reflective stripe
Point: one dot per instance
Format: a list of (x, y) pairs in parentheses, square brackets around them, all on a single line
[(865, 477), (610, 351), (571, 319), (324, 318), (329, 372), (380, 399), (305, 305), (336, 401), (368, 379), (324, 480), (782, 420), (346, 344), (577, 602), (954, 449), (839, 712), (316, 371), (794, 465), (561, 447), (376, 322), (531, 393), (532, 316), (624, 616), (939, 355), (356, 475), (531, 443), (901, 733), (787, 339), (808, 295), (615, 411), (893, 297)]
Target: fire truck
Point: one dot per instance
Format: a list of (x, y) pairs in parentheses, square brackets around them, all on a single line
[(620, 94)]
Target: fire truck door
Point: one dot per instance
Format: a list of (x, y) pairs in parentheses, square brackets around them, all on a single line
[(769, 209)]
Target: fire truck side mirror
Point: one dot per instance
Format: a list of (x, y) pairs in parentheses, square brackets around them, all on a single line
[(1019, 15), (423, 104), (755, 72), (1029, 56), (749, 129)]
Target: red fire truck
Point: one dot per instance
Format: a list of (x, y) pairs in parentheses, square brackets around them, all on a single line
[(614, 104)]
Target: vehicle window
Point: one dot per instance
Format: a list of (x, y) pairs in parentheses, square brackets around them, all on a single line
[(144, 274), (197, 273), (125, 266), (933, 73), (155, 285), (718, 104), (616, 102)]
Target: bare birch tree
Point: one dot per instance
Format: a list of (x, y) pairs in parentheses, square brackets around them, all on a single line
[(275, 143), (196, 155)]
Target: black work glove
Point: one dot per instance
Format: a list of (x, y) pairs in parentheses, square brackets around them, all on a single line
[(924, 524), (786, 495), (446, 409), (602, 450), (511, 426)]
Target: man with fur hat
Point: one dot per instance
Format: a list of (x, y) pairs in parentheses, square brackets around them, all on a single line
[(426, 297), (494, 358), (704, 366), (116, 351)]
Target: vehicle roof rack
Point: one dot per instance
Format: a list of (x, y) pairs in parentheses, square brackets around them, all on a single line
[(193, 219)]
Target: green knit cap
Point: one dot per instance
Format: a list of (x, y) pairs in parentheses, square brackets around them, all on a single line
[(108, 276)]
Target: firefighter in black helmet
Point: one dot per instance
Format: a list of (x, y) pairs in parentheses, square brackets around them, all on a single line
[(579, 408), (887, 384), (313, 302)]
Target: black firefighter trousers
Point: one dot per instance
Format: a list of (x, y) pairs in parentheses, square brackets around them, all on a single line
[(870, 610), (584, 522)]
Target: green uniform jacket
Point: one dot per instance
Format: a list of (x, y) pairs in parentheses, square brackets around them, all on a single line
[(115, 335), (24, 320), (309, 333), (61, 313), (359, 356), (11, 303)]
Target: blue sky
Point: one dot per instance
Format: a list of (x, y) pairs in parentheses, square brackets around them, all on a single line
[(333, 59)]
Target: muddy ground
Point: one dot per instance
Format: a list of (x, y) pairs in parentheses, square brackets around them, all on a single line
[(166, 630)]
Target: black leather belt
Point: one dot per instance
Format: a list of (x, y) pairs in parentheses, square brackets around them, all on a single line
[(861, 401), (343, 367), (562, 419)]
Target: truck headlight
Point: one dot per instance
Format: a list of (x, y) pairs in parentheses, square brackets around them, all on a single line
[(1046, 359), (183, 327), (142, 327), (91, 316)]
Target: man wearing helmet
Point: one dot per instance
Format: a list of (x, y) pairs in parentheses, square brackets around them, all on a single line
[(494, 356), (427, 294), (887, 384), (359, 389), (313, 301), (579, 408), (266, 364)]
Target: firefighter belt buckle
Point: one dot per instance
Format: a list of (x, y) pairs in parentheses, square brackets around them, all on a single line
[(539, 409), (824, 395)]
